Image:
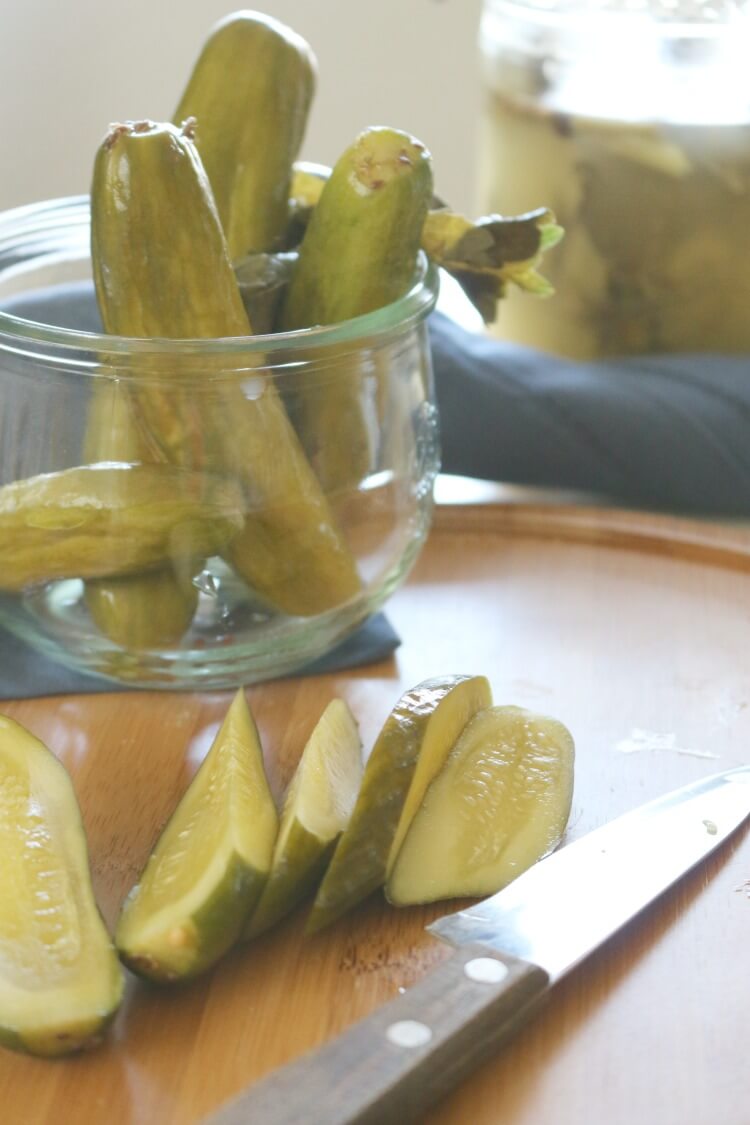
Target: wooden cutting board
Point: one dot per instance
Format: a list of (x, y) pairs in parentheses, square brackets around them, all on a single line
[(631, 629)]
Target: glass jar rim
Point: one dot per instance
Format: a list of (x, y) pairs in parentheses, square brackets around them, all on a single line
[(705, 17), (402, 314)]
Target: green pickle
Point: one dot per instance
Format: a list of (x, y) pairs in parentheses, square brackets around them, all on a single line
[(409, 753), (162, 270), (102, 521), (209, 865), (250, 93), (484, 255), (142, 611), (359, 253), (60, 981)]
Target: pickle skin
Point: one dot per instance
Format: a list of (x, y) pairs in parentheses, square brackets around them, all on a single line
[(156, 234), (50, 917), (103, 521), (250, 93)]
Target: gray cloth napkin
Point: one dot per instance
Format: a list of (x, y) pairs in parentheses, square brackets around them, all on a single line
[(26, 673), (666, 432)]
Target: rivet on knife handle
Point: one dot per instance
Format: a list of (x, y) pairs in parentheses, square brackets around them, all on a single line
[(409, 1053)]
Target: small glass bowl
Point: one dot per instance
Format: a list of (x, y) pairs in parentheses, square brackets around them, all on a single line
[(200, 513)]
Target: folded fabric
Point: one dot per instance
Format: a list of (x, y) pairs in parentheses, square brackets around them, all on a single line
[(668, 432), (26, 673)]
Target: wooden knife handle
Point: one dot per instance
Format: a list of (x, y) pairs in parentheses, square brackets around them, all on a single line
[(392, 1065)]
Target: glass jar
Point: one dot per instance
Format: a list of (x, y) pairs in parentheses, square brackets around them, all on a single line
[(162, 517), (630, 120)]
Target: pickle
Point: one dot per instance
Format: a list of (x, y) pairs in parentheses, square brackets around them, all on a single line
[(162, 270), (359, 253), (316, 811), (250, 93), (60, 982), (100, 521), (360, 248), (484, 255), (500, 803), (410, 750), (210, 863), (142, 611)]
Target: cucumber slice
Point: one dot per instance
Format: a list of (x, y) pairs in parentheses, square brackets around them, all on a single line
[(316, 811), (60, 981), (410, 749), (499, 804), (209, 865)]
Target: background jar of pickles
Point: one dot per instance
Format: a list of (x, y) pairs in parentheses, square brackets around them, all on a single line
[(248, 586), (631, 121)]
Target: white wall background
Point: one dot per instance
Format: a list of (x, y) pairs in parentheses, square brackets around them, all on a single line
[(69, 67)]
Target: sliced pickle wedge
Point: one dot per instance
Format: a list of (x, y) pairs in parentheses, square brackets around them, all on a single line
[(60, 981), (411, 748), (316, 811), (500, 803), (209, 865)]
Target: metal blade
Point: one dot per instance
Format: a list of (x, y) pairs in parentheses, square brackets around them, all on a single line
[(563, 907)]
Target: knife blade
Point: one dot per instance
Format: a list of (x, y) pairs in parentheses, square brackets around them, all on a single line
[(511, 949)]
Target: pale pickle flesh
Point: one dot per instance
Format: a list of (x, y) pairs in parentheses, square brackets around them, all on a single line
[(60, 981), (210, 863), (411, 748), (316, 811), (500, 803)]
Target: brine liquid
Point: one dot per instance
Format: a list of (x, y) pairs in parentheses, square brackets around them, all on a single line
[(656, 255)]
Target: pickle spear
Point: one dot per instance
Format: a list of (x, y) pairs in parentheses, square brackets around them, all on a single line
[(316, 811), (250, 93), (359, 253), (162, 270), (209, 864), (60, 982), (500, 803), (105, 520), (412, 747)]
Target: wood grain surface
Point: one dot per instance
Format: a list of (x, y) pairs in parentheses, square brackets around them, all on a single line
[(633, 630)]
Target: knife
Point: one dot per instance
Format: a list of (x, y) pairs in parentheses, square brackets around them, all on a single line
[(511, 949)]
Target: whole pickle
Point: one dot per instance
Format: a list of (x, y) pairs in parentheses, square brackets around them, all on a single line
[(250, 93), (359, 253), (142, 610), (484, 255), (162, 268), (360, 248), (99, 521)]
